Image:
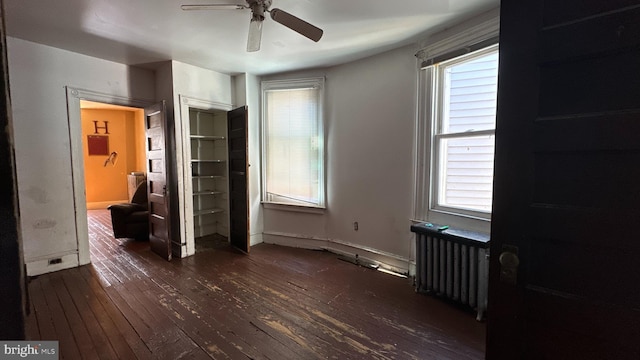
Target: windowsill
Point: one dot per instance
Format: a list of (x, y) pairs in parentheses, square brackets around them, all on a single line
[(460, 221), (447, 211), (294, 208)]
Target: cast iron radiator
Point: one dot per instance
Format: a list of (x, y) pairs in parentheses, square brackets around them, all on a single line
[(453, 264)]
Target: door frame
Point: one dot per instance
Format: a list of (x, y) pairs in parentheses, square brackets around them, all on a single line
[(74, 96), (185, 202)]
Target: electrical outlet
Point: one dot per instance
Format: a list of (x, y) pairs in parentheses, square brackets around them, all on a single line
[(355, 225)]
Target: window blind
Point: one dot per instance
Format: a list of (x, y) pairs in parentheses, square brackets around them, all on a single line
[(292, 134)]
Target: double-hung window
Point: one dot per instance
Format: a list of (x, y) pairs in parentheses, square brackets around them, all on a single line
[(464, 132), (293, 142), (464, 92)]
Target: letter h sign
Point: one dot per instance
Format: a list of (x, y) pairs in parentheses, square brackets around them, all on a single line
[(96, 128)]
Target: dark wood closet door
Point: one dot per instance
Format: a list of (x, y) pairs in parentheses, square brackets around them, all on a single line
[(238, 175)]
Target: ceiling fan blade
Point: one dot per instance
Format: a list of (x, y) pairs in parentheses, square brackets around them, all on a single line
[(214, 7), (255, 35), (296, 24)]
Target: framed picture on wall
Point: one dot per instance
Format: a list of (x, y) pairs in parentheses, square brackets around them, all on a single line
[(98, 144)]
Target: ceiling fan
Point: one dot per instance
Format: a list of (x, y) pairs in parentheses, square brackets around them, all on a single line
[(258, 8)]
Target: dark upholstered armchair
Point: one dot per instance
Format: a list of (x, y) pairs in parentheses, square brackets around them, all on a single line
[(131, 220)]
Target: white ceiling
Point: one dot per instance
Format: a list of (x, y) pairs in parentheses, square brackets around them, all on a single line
[(146, 31)]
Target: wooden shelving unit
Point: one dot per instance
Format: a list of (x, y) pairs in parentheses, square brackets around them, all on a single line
[(209, 172)]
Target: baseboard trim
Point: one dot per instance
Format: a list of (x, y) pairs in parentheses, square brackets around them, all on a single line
[(383, 259), (412, 268), (42, 266), (255, 239)]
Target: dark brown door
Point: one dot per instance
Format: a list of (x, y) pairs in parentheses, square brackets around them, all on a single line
[(238, 175), (159, 220), (13, 282), (565, 252)]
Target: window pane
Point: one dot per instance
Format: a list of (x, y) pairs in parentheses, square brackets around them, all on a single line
[(292, 153), (467, 172), (469, 99)]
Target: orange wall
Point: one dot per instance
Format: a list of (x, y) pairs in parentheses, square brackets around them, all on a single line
[(109, 183)]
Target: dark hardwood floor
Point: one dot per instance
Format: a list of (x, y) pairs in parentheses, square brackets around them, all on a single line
[(277, 303)]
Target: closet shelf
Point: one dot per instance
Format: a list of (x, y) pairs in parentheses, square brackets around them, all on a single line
[(206, 161), (207, 177), (207, 211), (207, 192), (207, 137)]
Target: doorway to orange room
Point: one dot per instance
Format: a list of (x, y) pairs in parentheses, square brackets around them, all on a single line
[(79, 101), (114, 159), (114, 152)]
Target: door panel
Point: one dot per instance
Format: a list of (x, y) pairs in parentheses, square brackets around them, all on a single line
[(238, 175), (159, 221), (558, 12), (567, 182)]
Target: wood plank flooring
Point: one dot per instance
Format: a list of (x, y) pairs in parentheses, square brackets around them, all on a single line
[(277, 303)]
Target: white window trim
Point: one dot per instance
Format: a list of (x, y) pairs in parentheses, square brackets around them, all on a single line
[(314, 82), (436, 134), (424, 210)]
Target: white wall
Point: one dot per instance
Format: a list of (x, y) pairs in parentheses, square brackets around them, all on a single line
[(370, 119), (38, 76), (201, 83), (371, 114)]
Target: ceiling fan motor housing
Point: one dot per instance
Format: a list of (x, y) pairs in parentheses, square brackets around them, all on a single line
[(258, 7)]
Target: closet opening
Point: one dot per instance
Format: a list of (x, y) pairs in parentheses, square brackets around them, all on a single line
[(209, 185), (215, 176)]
